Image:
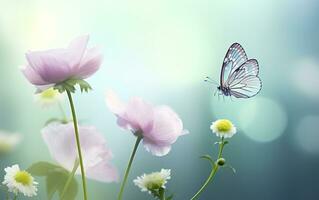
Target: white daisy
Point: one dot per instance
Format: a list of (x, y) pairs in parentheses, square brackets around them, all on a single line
[(48, 97), (153, 181), (19, 181), (8, 141), (223, 128)]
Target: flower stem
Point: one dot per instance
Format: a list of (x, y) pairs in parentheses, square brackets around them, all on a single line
[(138, 140), (71, 175), (76, 132), (213, 171), (162, 194)]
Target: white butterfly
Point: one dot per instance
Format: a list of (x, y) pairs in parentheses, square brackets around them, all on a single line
[(239, 75)]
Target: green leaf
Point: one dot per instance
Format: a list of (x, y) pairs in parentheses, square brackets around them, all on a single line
[(209, 158), (69, 85), (55, 182), (42, 168), (84, 86)]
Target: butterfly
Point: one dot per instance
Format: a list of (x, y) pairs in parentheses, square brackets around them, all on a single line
[(239, 75)]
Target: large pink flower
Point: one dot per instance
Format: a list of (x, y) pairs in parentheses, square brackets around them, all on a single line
[(60, 140), (47, 68), (160, 126)]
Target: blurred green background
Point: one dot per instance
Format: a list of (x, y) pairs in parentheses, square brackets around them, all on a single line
[(161, 50)]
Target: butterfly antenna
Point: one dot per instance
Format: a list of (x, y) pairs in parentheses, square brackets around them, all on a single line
[(210, 80)]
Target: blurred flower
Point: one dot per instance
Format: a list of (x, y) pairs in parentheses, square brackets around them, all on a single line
[(48, 68), (48, 97), (61, 142), (223, 128), (8, 141), (159, 126), (19, 181), (153, 181)]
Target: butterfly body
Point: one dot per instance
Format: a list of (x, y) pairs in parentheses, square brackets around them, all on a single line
[(239, 75), (224, 90)]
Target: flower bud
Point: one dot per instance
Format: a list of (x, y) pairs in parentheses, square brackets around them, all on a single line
[(221, 161)]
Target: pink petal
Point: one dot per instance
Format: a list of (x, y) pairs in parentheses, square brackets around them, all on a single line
[(77, 49), (60, 140), (156, 149), (139, 114), (167, 127), (104, 172), (50, 65), (90, 63), (61, 143), (136, 115), (114, 103), (32, 76)]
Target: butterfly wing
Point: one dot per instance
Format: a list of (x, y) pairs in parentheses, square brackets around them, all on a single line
[(244, 82), (234, 58)]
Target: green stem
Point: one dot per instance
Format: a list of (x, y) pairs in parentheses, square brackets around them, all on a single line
[(138, 140), (213, 172), (71, 175), (76, 132), (162, 194), (15, 197)]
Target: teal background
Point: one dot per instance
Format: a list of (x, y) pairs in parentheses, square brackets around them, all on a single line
[(162, 51)]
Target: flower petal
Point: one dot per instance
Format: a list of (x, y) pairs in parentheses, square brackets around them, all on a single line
[(90, 63), (77, 49), (136, 115), (156, 149), (104, 172), (32, 76), (60, 140), (61, 143), (114, 103), (139, 114), (167, 126), (51, 65)]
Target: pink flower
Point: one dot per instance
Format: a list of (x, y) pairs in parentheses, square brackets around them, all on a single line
[(47, 68), (60, 140), (160, 126)]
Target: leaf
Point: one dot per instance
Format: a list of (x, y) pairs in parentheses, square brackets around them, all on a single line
[(55, 182), (69, 85), (62, 121), (42, 168), (209, 158), (84, 86)]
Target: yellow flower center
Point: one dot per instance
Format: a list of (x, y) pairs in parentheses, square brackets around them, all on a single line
[(23, 177), (224, 125), (49, 93), (156, 181)]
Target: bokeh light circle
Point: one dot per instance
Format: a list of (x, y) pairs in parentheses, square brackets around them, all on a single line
[(261, 119), (305, 77), (307, 134)]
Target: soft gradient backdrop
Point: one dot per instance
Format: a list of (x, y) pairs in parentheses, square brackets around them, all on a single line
[(161, 50)]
